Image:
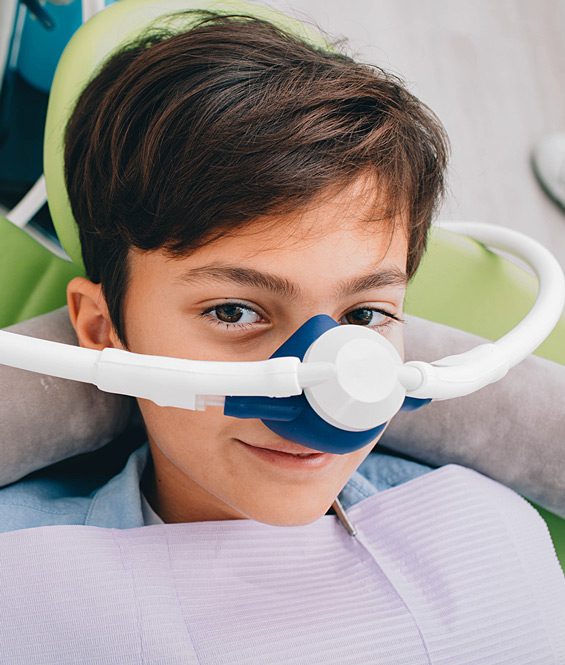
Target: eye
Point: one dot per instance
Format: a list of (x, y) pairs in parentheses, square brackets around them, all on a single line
[(369, 316), (232, 314)]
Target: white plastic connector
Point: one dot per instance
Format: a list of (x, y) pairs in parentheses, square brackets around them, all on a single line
[(364, 391), (460, 375), (411, 376), (177, 381), (203, 401), (313, 373)]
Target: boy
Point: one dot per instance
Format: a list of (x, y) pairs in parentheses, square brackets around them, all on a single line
[(229, 183)]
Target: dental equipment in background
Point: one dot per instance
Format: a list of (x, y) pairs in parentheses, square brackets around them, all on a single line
[(35, 8), (329, 387)]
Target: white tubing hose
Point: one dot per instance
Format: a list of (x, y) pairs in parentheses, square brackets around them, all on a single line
[(456, 376)]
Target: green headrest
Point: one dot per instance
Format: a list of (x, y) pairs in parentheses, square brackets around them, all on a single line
[(89, 48)]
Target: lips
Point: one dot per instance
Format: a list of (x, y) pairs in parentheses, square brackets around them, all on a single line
[(288, 448), (291, 459)]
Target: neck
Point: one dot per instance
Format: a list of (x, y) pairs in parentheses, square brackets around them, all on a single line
[(176, 498)]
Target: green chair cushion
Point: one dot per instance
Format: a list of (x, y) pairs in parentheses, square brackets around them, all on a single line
[(35, 280)]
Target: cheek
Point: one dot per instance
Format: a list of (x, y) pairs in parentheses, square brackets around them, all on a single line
[(180, 434), (396, 337)]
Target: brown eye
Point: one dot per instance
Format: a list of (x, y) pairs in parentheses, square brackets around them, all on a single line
[(233, 315), (361, 317), (228, 313), (365, 317)]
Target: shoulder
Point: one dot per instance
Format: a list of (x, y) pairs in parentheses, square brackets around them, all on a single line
[(384, 471), (377, 473), (57, 496), (40, 501)]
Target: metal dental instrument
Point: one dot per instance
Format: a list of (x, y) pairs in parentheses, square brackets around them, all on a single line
[(340, 512)]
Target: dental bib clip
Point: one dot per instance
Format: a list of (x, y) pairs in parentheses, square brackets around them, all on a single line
[(329, 387)]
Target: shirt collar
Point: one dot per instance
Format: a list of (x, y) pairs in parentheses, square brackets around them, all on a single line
[(117, 504), (356, 489)]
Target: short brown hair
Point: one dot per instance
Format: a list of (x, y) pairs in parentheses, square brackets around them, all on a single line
[(181, 138)]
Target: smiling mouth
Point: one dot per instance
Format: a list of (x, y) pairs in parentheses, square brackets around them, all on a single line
[(294, 450), (290, 456)]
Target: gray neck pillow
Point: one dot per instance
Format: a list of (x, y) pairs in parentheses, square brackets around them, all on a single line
[(512, 431)]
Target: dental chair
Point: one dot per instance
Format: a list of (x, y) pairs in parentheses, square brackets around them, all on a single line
[(460, 283)]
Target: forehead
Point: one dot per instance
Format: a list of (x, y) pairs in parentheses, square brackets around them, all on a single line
[(316, 242), (339, 235)]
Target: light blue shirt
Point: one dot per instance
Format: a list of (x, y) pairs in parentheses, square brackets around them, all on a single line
[(45, 498)]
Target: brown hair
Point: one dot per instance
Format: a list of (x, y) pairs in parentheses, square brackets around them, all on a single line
[(181, 138)]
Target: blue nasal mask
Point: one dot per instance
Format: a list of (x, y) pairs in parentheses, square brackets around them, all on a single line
[(294, 417), (328, 387)]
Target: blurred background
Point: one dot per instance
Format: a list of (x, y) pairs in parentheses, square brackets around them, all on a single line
[(493, 72)]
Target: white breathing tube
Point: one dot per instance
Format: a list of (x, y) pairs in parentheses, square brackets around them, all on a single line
[(459, 375), (195, 384)]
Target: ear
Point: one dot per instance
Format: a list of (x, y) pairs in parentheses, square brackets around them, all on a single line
[(89, 315)]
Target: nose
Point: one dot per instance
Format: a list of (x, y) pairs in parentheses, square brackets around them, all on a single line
[(312, 418)]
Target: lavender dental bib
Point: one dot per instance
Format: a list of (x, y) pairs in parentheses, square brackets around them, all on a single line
[(448, 568)]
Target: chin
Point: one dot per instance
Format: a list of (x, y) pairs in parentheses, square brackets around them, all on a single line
[(289, 514)]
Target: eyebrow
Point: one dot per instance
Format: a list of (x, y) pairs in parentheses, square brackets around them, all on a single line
[(283, 287)]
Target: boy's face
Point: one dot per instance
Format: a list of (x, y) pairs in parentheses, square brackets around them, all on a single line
[(240, 298)]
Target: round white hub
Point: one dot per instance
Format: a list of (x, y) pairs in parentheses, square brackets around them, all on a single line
[(365, 370), (365, 391)]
